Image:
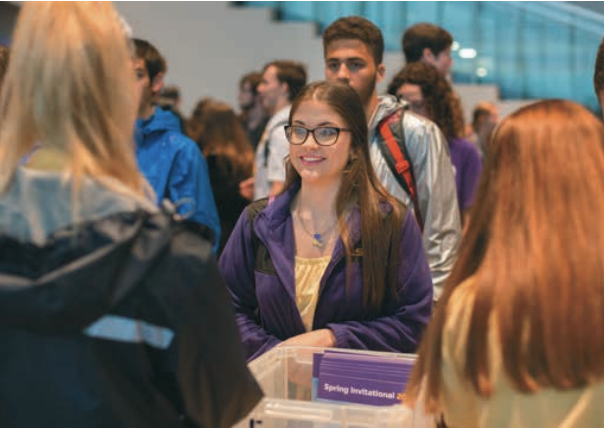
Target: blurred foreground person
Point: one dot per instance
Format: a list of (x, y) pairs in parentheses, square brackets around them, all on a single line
[(4, 57), (106, 301), (516, 339)]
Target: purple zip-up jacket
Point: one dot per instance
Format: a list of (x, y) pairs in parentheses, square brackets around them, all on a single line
[(265, 304)]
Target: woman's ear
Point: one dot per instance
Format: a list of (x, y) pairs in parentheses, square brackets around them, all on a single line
[(381, 72)]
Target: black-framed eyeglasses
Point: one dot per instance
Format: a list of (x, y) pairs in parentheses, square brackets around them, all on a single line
[(323, 135)]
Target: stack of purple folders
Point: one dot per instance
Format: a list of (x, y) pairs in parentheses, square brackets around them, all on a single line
[(359, 378)]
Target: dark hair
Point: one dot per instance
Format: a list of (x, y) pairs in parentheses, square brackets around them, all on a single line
[(442, 105), (4, 57), (361, 187), (424, 35), (193, 125), (154, 61), (481, 110), (291, 72), (528, 256), (219, 132), (254, 78), (356, 28), (171, 92), (599, 71)]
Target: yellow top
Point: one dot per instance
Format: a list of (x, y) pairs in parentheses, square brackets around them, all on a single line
[(577, 408), (308, 277)]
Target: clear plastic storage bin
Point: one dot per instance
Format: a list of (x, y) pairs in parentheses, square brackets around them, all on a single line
[(285, 375)]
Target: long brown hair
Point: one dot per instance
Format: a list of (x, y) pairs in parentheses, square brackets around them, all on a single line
[(442, 105), (219, 132), (535, 252), (360, 186), (193, 125)]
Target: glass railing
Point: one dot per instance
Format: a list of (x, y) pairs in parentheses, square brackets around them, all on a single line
[(531, 50)]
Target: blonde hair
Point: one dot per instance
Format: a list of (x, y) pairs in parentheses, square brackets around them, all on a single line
[(70, 87)]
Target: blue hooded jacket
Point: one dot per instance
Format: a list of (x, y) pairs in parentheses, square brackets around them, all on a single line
[(176, 169)]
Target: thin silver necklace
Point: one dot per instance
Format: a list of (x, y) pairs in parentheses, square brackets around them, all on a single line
[(317, 237)]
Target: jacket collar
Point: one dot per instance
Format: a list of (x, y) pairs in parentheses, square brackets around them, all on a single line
[(81, 273), (161, 121), (274, 226), (388, 104)]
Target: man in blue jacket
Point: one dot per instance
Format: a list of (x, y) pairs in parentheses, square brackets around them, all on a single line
[(171, 162)]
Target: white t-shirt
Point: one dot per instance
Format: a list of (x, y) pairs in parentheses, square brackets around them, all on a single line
[(270, 154)]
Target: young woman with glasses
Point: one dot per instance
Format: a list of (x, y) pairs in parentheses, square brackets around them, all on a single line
[(334, 260)]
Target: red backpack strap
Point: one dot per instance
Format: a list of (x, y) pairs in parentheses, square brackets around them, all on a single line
[(402, 166)]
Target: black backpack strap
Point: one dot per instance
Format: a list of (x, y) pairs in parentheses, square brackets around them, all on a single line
[(267, 149), (263, 261), (391, 142)]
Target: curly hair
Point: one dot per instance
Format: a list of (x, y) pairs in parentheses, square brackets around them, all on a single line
[(442, 104)]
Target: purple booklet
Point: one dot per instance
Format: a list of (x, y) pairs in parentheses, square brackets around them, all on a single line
[(361, 391), (374, 365), (369, 375), (359, 378), (350, 360)]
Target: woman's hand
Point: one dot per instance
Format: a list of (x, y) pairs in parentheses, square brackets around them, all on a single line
[(321, 338)]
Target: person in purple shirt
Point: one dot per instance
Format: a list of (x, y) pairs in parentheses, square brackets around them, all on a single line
[(429, 94), (334, 260)]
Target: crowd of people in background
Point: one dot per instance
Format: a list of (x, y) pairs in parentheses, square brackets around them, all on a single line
[(428, 94), (148, 256), (114, 312)]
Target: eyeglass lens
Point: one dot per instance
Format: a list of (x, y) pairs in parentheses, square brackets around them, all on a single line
[(325, 135)]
